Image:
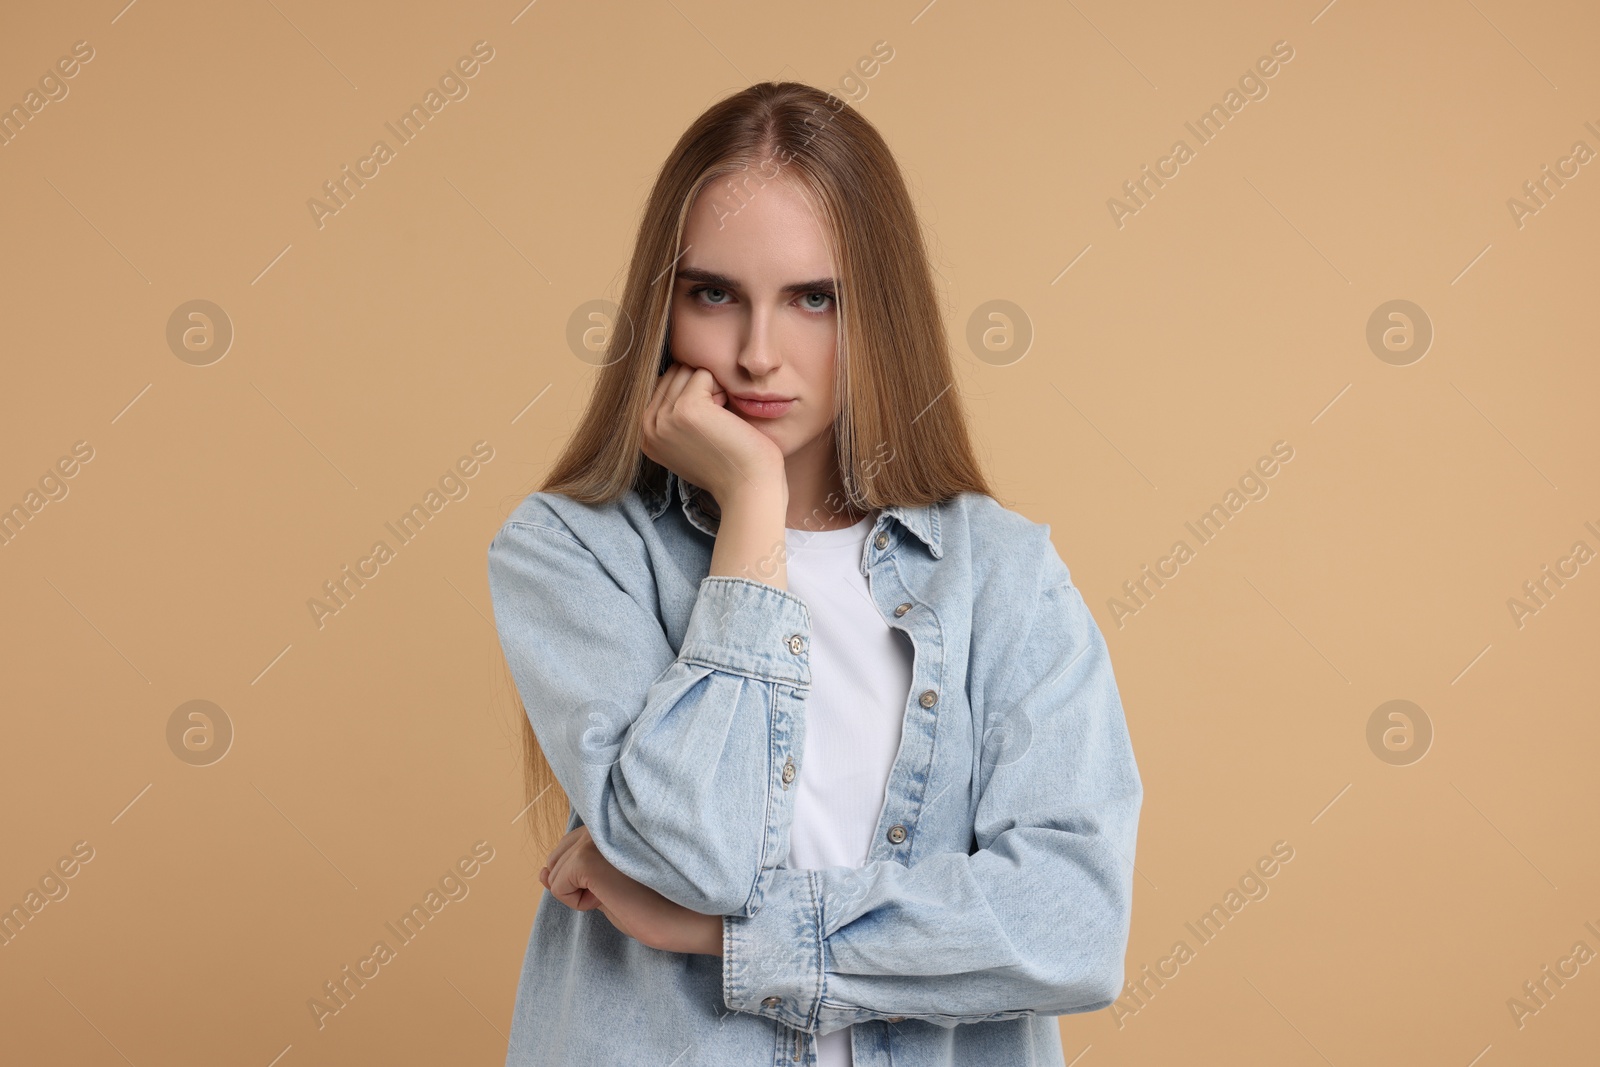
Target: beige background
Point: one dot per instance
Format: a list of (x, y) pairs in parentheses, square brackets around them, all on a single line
[(1230, 312)]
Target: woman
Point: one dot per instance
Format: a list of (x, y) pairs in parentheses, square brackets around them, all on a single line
[(849, 775)]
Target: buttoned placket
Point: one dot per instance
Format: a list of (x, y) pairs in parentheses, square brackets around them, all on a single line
[(927, 666), (895, 605), (916, 739), (797, 647)]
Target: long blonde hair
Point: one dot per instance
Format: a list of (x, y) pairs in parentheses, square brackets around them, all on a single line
[(900, 432)]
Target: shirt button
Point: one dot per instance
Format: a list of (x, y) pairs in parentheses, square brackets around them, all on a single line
[(788, 771), (897, 833), (771, 1002), (902, 609), (928, 699), (882, 540), (797, 644)]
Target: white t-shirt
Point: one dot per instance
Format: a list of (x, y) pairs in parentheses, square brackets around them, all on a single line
[(860, 680)]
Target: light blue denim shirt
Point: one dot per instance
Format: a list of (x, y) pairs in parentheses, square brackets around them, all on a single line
[(671, 705)]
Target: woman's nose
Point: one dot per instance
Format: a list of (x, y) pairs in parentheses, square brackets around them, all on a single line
[(760, 354)]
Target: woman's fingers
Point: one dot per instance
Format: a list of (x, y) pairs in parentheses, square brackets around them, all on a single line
[(563, 883), (678, 377), (560, 863), (695, 387), (690, 428), (580, 872), (565, 844), (660, 404), (634, 909), (719, 395)]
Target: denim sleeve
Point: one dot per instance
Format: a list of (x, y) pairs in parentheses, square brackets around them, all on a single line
[(1035, 922), (667, 756)]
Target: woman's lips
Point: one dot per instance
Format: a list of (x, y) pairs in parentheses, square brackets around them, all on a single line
[(760, 409)]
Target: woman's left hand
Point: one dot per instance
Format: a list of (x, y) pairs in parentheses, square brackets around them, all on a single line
[(580, 877)]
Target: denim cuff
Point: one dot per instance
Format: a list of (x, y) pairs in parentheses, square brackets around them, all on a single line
[(772, 962), (750, 628)]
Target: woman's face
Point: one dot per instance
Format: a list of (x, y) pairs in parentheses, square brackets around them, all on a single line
[(755, 303)]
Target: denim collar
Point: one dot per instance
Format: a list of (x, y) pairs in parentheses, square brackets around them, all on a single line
[(921, 520)]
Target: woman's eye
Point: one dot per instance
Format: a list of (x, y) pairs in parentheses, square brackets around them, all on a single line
[(711, 296)]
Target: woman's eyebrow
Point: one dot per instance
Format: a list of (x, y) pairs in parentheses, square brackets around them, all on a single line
[(722, 281)]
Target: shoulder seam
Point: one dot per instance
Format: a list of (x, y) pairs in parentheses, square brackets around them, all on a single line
[(547, 529)]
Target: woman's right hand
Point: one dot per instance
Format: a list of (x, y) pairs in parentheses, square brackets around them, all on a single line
[(689, 429), (579, 876)]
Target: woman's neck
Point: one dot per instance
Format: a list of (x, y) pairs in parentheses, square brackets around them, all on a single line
[(816, 490)]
